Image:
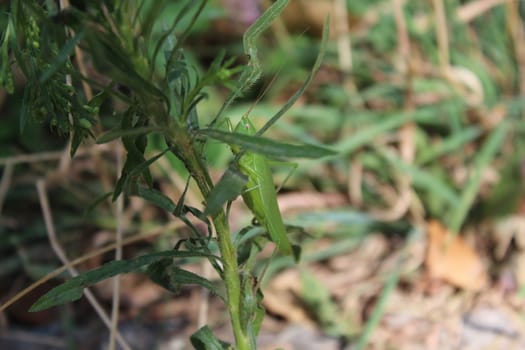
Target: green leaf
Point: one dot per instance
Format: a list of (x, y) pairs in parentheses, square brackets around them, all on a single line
[(230, 186), (449, 145), (204, 339), (62, 57), (171, 277), (118, 133), (424, 179), (150, 16), (96, 202), (72, 289), (110, 58), (157, 198), (139, 169), (135, 146), (168, 33), (268, 147), (484, 156), (390, 121)]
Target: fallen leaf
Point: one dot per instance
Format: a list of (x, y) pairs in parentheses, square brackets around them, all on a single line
[(451, 259)]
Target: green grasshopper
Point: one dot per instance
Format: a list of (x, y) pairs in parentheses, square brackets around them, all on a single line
[(253, 178), (259, 192)]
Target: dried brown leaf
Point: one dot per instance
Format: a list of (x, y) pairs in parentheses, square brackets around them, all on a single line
[(451, 259)]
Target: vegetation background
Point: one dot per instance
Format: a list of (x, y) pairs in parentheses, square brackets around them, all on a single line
[(424, 103)]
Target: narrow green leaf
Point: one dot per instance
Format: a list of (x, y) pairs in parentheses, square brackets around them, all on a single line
[(448, 145), (157, 198), (391, 121), (118, 133), (168, 33), (230, 186), (96, 202), (135, 146), (204, 339), (72, 289), (268, 147), (150, 16), (180, 207), (424, 179), (62, 56), (112, 59), (483, 159), (145, 165), (171, 277)]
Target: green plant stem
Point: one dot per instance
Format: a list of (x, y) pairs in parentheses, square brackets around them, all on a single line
[(189, 154), (231, 280)]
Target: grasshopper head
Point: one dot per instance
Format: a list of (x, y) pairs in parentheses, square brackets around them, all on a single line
[(245, 126)]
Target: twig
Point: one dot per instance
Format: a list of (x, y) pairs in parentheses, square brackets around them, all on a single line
[(46, 156), (31, 158), (398, 208), (31, 338), (59, 252), (119, 208), (355, 180), (517, 33), (473, 9), (442, 36), (344, 44)]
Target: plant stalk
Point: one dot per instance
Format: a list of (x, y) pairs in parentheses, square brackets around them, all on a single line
[(232, 280), (187, 151)]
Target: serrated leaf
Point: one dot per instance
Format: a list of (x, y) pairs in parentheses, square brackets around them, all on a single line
[(204, 339), (229, 187), (72, 289), (268, 147)]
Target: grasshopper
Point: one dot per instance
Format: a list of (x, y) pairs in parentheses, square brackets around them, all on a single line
[(259, 192)]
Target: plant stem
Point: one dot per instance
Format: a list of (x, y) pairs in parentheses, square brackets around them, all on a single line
[(187, 151), (231, 279)]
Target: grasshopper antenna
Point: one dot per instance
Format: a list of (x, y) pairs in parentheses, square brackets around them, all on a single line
[(263, 93)]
